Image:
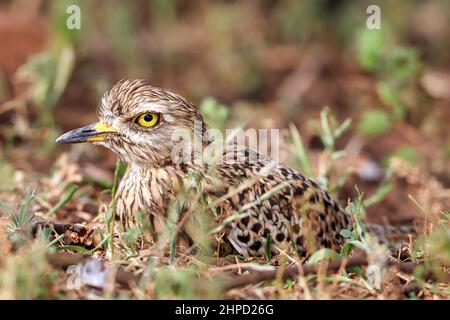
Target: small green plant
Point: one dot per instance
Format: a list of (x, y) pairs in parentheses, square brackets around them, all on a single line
[(268, 247), (396, 67), (374, 122), (405, 152), (50, 73), (328, 131), (355, 238), (379, 194), (369, 46), (110, 217), (434, 247), (27, 274), (67, 196), (323, 254), (300, 151), (389, 95), (215, 113), (20, 226)]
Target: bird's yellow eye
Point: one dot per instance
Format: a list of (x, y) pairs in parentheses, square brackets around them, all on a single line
[(147, 120)]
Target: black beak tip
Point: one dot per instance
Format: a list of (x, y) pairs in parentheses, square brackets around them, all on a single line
[(61, 139), (80, 135), (69, 137)]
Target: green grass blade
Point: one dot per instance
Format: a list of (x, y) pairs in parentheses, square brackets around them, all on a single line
[(65, 198), (300, 151)]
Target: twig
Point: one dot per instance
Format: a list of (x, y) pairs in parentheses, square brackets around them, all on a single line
[(359, 259), (62, 260), (290, 272), (60, 228)]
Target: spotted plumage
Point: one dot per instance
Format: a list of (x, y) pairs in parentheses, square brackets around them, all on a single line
[(299, 216)]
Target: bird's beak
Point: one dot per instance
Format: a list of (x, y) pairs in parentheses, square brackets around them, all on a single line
[(95, 132)]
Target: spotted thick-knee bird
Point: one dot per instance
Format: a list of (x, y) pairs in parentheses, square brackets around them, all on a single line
[(276, 205)]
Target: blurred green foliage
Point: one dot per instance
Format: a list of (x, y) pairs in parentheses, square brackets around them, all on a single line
[(7, 174), (369, 44), (374, 122), (184, 284), (50, 73), (216, 114), (407, 153)]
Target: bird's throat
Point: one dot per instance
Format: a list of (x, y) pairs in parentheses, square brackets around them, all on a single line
[(148, 190)]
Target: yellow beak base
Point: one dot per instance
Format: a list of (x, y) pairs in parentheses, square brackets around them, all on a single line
[(95, 132)]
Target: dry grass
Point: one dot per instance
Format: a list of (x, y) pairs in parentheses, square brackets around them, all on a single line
[(162, 271)]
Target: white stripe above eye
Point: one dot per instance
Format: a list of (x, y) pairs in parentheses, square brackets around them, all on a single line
[(163, 110), (151, 107)]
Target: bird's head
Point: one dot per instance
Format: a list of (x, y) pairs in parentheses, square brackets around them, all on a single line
[(137, 121)]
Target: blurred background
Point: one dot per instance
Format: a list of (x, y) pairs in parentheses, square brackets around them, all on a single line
[(268, 64)]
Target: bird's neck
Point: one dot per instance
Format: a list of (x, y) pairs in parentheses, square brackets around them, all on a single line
[(148, 189)]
